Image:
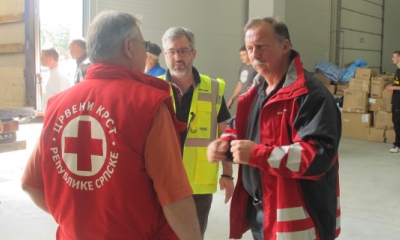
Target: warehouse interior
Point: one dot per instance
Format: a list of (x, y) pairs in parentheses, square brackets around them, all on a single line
[(337, 32), (369, 195)]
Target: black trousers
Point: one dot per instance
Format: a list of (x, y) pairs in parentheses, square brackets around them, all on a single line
[(203, 206), (396, 123), (256, 222)]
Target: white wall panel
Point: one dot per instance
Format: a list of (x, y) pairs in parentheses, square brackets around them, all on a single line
[(361, 22), (217, 25), (361, 40), (373, 8), (361, 32), (391, 39), (266, 8), (374, 58), (309, 27)]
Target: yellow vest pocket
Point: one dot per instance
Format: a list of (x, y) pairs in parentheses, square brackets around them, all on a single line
[(205, 172)]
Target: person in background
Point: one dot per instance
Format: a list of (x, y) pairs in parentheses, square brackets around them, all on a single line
[(395, 88), (153, 67), (77, 49), (56, 82), (246, 76), (286, 138), (107, 165), (199, 103)]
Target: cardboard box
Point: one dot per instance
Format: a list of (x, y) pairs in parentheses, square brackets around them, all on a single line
[(383, 120), (387, 101), (390, 136), (322, 77), (381, 135), (378, 85), (361, 85), (339, 93), (356, 125), (356, 102), (364, 73), (331, 88), (388, 74), (376, 135), (375, 104), (341, 87)]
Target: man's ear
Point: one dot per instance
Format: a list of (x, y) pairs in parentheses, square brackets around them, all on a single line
[(194, 53), (128, 47), (286, 45)]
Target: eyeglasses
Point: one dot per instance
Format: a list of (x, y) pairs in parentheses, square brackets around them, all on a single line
[(184, 52)]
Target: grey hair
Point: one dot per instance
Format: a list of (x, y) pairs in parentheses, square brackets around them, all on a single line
[(280, 28), (80, 42), (177, 32), (154, 57), (107, 33)]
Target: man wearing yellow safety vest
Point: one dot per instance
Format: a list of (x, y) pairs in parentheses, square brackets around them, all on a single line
[(198, 102)]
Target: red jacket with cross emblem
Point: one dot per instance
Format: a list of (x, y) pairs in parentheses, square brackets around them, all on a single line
[(95, 181), (300, 128)]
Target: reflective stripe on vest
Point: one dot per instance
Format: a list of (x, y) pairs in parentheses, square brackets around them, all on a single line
[(215, 99)]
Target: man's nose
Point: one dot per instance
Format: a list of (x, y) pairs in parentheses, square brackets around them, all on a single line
[(256, 54), (177, 56)]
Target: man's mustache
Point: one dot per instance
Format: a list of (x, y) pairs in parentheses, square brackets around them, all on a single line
[(179, 61), (258, 62)]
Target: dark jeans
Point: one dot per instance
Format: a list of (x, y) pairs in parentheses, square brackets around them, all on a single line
[(203, 206), (396, 124), (256, 223)]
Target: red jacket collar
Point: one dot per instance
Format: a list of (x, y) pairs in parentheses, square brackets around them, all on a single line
[(295, 82)]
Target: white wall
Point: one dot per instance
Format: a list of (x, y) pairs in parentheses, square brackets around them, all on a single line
[(309, 27), (308, 22), (391, 40), (267, 8), (217, 25), (361, 22)]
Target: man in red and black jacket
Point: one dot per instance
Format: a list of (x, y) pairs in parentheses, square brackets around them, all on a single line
[(286, 138)]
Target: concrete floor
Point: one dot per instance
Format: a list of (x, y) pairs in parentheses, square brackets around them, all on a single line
[(370, 195)]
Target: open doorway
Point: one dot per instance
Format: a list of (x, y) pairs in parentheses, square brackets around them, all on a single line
[(60, 22)]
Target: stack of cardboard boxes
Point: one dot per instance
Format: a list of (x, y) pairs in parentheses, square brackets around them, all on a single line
[(381, 107), (366, 112), (356, 120)]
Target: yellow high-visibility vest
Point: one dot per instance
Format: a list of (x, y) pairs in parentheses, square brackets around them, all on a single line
[(202, 130)]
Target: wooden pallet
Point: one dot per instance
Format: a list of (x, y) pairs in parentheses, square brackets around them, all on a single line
[(12, 146)]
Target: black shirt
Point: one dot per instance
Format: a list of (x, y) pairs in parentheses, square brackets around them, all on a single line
[(396, 93), (184, 100), (251, 175)]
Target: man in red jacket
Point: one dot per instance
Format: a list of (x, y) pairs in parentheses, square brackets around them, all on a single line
[(286, 138), (108, 163)]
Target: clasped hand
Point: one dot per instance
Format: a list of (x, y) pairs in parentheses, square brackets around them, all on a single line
[(241, 150)]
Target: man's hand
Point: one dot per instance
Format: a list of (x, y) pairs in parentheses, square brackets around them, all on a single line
[(216, 150), (227, 185), (389, 88), (241, 150)]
